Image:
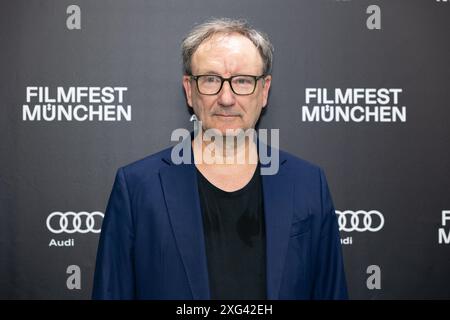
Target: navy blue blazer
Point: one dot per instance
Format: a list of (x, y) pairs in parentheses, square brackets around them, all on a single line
[(152, 244)]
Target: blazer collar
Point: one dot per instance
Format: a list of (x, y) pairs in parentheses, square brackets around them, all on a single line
[(180, 188)]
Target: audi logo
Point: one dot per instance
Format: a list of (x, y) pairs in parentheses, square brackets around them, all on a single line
[(360, 220), (71, 222)]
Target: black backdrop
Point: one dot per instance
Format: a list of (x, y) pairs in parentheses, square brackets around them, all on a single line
[(390, 173)]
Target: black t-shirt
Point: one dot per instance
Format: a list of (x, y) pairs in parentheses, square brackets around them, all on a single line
[(235, 239)]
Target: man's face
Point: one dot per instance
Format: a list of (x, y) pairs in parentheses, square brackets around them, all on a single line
[(227, 55)]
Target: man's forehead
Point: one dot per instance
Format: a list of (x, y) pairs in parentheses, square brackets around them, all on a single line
[(227, 47)]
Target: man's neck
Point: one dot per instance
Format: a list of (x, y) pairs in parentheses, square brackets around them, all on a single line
[(228, 152)]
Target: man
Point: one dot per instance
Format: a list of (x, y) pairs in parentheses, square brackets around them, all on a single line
[(213, 228)]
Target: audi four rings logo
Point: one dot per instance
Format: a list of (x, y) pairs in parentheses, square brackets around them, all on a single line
[(71, 222), (360, 220)]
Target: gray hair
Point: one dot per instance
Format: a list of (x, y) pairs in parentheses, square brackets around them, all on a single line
[(209, 28)]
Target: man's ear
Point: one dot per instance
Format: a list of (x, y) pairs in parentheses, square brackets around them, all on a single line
[(188, 89), (266, 86)]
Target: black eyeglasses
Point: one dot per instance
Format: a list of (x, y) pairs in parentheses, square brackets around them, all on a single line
[(241, 85)]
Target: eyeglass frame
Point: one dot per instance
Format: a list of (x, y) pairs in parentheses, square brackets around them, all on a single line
[(195, 77)]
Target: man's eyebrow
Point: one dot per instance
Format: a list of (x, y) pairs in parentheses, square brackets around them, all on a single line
[(210, 72)]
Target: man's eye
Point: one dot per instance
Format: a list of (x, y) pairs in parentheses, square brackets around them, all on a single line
[(211, 79), (242, 81)]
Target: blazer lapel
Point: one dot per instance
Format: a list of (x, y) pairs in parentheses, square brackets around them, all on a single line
[(179, 184), (278, 191)]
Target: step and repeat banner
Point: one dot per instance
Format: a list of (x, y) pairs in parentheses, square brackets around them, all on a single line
[(360, 88)]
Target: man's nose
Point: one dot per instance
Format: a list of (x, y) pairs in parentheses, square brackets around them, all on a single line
[(226, 95)]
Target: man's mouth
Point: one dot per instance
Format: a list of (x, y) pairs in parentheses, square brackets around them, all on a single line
[(226, 115)]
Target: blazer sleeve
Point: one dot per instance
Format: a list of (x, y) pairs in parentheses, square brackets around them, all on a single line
[(114, 271), (330, 281)]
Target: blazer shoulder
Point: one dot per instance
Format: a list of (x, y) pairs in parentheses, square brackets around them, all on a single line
[(297, 164), (147, 166)]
